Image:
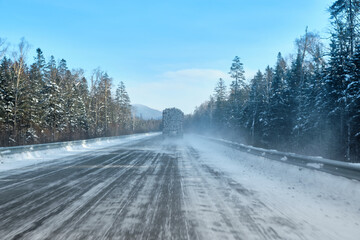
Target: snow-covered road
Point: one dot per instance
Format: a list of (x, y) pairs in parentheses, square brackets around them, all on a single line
[(175, 189)]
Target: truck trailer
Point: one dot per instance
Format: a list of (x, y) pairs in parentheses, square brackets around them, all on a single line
[(172, 122)]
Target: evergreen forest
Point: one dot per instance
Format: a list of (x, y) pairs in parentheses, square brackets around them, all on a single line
[(46, 102), (307, 103)]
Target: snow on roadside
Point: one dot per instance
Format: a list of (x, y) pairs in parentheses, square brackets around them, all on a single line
[(315, 159), (315, 165), (330, 204), (23, 159)]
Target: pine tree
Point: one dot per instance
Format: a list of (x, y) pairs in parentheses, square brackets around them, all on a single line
[(101, 103), (78, 110), (276, 124), (80, 105), (352, 93), (238, 93), (310, 125), (123, 114), (268, 75), (256, 105), (36, 77), (53, 102), (334, 102), (294, 98), (6, 101), (67, 83), (220, 116)]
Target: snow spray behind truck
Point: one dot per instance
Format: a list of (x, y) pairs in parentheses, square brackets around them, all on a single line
[(172, 122)]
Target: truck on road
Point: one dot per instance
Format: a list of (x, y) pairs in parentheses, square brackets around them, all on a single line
[(172, 122)]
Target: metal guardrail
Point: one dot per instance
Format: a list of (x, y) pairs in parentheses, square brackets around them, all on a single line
[(4, 151), (345, 169)]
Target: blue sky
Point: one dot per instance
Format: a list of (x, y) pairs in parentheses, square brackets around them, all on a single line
[(168, 53)]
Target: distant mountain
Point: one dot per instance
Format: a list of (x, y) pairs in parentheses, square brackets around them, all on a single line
[(146, 113)]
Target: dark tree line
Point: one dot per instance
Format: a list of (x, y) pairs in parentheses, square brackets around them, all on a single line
[(308, 104), (47, 102)]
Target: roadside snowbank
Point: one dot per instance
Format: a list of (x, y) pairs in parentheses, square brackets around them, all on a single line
[(329, 204), (318, 160), (27, 158)]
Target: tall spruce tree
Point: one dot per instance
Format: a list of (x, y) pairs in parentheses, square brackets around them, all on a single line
[(220, 115), (238, 93), (53, 102), (78, 111), (256, 105), (352, 93), (6, 101), (36, 78), (277, 126), (123, 114)]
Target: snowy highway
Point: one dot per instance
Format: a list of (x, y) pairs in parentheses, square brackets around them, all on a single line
[(175, 189)]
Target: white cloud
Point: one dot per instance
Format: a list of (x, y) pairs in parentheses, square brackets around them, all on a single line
[(184, 89)]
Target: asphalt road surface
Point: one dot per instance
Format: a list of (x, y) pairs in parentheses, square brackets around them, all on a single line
[(148, 189)]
